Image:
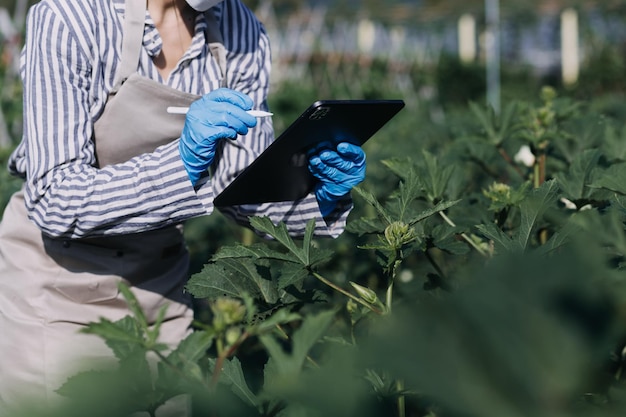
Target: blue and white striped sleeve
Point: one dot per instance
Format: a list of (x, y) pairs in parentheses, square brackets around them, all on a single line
[(66, 195), (249, 67)]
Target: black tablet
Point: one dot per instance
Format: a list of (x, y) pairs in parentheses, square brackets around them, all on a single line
[(280, 173)]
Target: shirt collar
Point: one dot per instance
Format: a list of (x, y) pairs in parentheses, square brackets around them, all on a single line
[(153, 43)]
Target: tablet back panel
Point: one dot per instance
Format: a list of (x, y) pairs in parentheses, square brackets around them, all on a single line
[(280, 173)]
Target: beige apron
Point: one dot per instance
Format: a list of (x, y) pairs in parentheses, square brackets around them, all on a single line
[(51, 288)]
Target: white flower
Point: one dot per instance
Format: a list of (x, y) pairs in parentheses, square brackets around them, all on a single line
[(525, 156)]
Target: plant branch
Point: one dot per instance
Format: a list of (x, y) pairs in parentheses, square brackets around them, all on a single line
[(346, 293), (510, 161), (464, 236), (219, 363)]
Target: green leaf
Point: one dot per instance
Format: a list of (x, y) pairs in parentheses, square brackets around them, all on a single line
[(614, 144), (307, 241), (232, 278), (442, 206), (531, 210), (134, 306), (446, 239), (193, 347), (409, 190), (281, 234), (559, 238), (365, 226), (613, 179), (232, 375), (289, 364), (503, 243), (574, 182), (497, 128), (538, 201), (124, 336), (291, 275), (372, 201), (279, 317), (256, 251), (434, 177), (153, 334), (400, 166)]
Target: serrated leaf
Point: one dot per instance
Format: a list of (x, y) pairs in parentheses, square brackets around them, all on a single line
[(310, 332), (123, 336), (559, 238), (533, 207), (574, 182), (613, 179), (193, 347), (88, 384), (133, 305), (232, 278), (279, 317), (372, 201), (307, 241), (502, 241), (409, 190), (445, 238), (365, 226), (400, 166), (434, 178), (281, 234), (614, 144), (444, 205), (497, 128), (531, 210), (185, 358), (256, 251), (232, 375), (291, 275)]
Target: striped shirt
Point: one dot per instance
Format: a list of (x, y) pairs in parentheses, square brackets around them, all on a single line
[(68, 66)]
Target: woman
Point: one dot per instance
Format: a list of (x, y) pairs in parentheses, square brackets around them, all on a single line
[(110, 176)]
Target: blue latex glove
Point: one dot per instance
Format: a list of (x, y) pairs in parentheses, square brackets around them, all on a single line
[(338, 172), (220, 114)]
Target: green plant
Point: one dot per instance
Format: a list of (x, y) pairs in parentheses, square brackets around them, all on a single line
[(491, 286)]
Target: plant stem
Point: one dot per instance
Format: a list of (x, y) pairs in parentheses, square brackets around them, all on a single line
[(539, 170), (464, 236), (346, 293), (510, 161), (401, 399), (219, 363)]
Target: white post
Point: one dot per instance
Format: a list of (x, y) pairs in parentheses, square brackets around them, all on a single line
[(570, 64), (366, 36), (467, 38), (492, 49)]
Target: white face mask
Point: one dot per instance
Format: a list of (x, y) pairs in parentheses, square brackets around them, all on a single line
[(203, 5)]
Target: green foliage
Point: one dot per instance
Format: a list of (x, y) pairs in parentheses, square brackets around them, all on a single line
[(492, 287)]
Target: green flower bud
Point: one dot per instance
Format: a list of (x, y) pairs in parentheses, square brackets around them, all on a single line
[(227, 312), (365, 293), (399, 233), (548, 94), (498, 193), (232, 335)]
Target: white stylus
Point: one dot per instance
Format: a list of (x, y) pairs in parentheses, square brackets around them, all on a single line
[(254, 113)]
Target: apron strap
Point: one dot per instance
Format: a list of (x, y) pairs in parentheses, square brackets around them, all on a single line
[(134, 21), (216, 44)]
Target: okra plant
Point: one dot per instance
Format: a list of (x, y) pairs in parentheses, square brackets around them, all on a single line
[(493, 286)]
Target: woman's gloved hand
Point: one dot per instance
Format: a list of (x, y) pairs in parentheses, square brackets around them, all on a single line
[(338, 172), (220, 114)]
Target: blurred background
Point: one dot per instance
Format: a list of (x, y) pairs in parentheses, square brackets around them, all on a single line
[(442, 52), (435, 55)]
